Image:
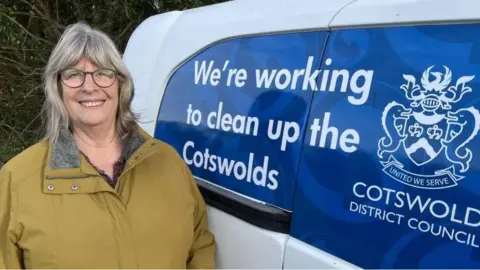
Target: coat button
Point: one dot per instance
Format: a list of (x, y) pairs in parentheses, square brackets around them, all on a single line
[(50, 187), (74, 187)]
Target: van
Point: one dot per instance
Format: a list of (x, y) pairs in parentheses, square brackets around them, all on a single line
[(323, 134)]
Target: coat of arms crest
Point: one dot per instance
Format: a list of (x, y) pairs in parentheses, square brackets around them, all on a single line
[(428, 128)]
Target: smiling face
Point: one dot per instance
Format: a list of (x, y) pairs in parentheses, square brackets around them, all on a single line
[(94, 102)]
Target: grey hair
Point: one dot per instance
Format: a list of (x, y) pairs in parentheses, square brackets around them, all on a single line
[(77, 41)]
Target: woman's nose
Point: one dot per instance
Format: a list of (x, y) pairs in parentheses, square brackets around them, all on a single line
[(89, 83)]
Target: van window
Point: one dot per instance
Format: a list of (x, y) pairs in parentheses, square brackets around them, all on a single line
[(236, 112)]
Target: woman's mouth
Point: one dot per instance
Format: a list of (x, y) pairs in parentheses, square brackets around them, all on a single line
[(90, 104)]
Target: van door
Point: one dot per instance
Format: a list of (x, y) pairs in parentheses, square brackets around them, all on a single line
[(389, 168)]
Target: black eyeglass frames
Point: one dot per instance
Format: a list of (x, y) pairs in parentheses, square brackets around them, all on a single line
[(75, 78)]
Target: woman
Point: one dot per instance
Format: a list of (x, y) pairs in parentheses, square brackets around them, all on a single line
[(98, 192)]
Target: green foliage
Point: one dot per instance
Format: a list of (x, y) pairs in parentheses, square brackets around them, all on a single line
[(29, 30)]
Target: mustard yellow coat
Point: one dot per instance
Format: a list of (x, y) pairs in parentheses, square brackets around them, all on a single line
[(56, 211)]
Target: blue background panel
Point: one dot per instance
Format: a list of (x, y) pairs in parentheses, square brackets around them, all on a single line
[(374, 208), (284, 53)]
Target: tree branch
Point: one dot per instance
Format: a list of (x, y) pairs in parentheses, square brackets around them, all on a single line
[(48, 16), (31, 91), (20, 65), (25, 30), (14, 130), (28, 125), (124, 31), (57, 13), (20, 49)]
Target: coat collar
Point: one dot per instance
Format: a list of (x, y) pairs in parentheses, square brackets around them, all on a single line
[(64, 158)]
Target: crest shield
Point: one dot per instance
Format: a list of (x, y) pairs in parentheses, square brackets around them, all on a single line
[(423, 142)]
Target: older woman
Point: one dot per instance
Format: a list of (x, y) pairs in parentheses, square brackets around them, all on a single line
[(98, 192)]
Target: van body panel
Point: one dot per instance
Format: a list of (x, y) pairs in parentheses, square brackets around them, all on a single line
[(300, 255), (243, 245), (147, 37), (369, 13)]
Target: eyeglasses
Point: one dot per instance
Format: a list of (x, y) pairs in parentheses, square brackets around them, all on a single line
[(75, 78)]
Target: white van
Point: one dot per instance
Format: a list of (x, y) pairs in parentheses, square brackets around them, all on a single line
[(323, 134)]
